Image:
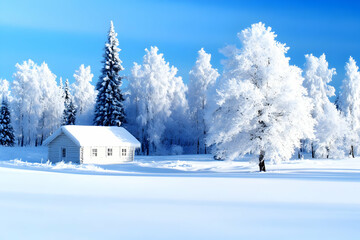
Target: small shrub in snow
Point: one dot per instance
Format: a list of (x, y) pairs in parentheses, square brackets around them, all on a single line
[(176, 150)]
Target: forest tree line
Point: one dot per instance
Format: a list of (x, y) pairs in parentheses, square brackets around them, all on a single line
[(260, 104)]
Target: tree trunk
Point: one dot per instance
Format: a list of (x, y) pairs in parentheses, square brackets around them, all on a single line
[(204, 137), (198, 146), (22, 138), (262, 161), (312, 151), (301, 150), (147, 147), (352, 152), (328, 152)]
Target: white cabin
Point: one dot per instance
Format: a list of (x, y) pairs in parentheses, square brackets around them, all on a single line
[(91, 144)]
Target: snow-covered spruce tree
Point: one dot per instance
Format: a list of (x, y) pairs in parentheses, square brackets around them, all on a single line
[(7, 137), (109, 109), (37, 103), (330, 126), (202, 77), (261, 106), (84, 95), (157, 102), (349, 105), (69, 115)]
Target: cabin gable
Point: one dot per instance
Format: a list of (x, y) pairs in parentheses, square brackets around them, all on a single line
[(62, 148)]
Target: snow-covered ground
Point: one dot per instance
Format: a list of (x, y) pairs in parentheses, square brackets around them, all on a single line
[(177, 197)]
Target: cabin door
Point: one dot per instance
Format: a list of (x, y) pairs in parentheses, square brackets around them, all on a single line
[(63, 154)]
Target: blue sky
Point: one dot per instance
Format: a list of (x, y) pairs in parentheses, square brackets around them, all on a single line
[(66, 34)]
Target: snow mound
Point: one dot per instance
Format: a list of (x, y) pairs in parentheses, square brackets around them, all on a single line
[(57, 166)]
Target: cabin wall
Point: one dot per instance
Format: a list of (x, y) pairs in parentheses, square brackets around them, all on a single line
[(102, 155), (62, 141), (76, 154)]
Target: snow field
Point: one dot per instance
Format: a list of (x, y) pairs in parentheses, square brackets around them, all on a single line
[(75, 206), (177, 197)]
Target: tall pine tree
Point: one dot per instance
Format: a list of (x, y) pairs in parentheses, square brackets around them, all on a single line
[(7, 137), (109, 108), (69, 115)]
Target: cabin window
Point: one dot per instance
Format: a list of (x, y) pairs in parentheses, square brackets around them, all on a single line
[(94, 152), (109, 152), (123, 152), (63, 152)]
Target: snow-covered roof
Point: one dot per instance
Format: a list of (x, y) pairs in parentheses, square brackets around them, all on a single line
[(96, 136)]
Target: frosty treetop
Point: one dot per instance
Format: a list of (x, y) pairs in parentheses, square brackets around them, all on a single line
[(261, 105)]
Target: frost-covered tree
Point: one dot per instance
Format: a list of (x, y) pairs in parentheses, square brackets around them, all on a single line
[(37, 103), (69, 114), (4, 89), (349, 104), (261, 106), (84, 95), (61, 87), (158, 104), (26, 92), (202, 77), (330, 126), (51, 103), (7, 137), (109, 107)]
